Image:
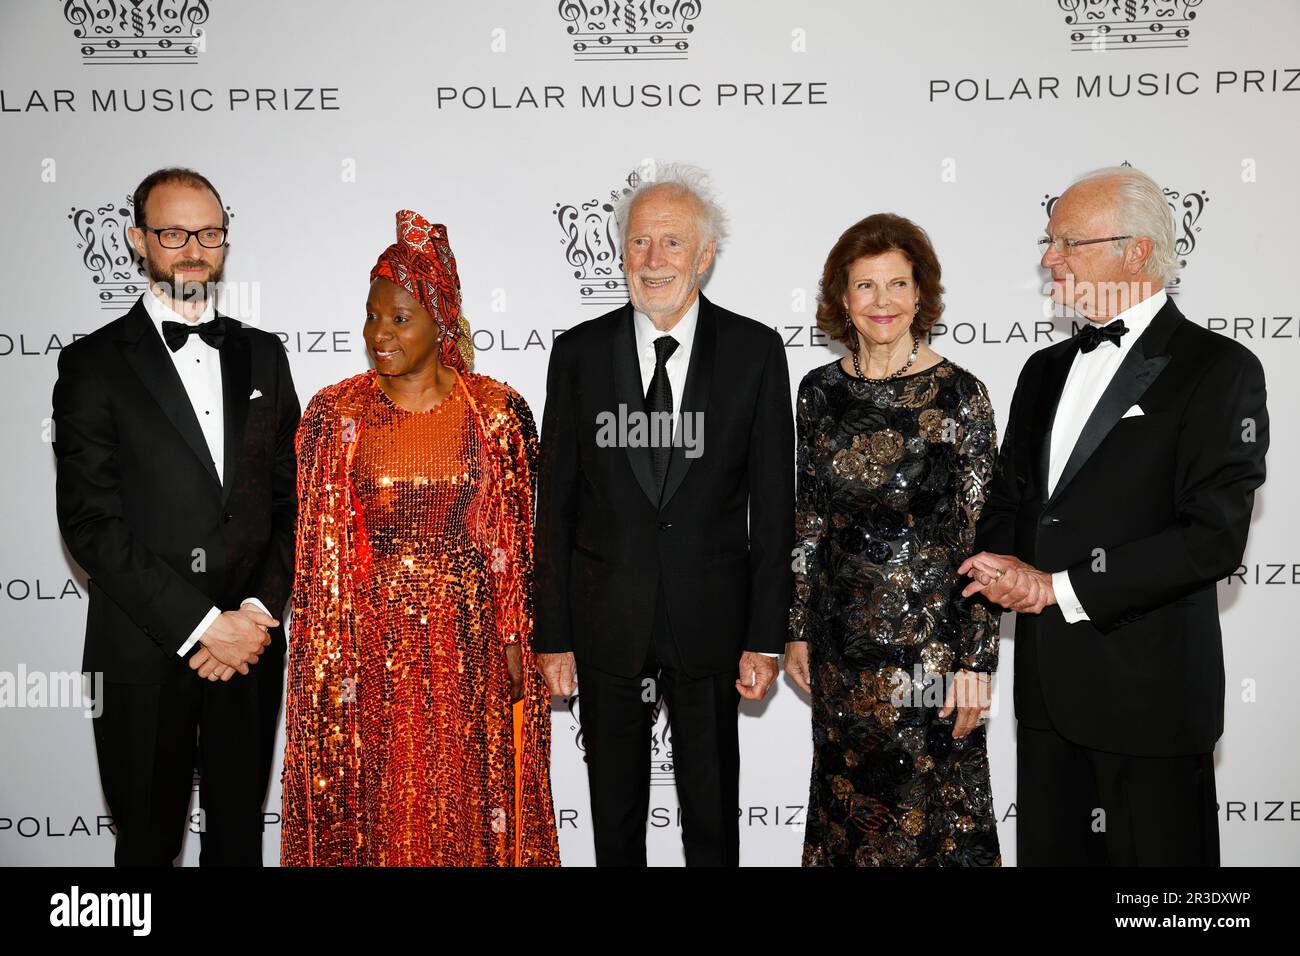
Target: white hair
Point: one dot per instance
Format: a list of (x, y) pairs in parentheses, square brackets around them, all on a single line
[(1141, 209), (682, 179)]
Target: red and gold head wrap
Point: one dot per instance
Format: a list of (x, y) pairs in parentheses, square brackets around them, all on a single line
[(420, 261)]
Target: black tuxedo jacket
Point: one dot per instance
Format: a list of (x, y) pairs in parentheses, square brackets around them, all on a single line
[(718, 542), (139, 502), (1149, 513)]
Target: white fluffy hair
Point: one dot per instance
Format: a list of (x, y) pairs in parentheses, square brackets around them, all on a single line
[(1141, 209), (681, 178)]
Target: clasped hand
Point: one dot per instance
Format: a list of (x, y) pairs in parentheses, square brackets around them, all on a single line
[(232, 642), (1006, 580)]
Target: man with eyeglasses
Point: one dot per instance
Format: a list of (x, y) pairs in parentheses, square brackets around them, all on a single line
[(174, 439), (1123, 494)]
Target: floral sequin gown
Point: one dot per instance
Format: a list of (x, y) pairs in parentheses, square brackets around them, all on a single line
[(414, 571), (891, 479)]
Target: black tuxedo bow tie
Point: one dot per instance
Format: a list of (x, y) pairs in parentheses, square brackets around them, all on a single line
[(213, 333), (1090, 336)]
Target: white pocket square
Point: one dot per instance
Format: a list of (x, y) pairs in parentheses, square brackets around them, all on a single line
[(1133, 412), (257, 393)]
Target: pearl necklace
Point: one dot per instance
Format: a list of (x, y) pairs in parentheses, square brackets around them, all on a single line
[(911, 359)]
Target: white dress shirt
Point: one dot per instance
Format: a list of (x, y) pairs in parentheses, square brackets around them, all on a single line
[(1089, 375), (199, 367), (678, 362)]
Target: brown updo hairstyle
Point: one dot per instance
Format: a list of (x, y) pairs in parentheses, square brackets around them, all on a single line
[(873, 236)]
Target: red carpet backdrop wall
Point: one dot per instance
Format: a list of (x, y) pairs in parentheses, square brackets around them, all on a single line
[(516, 124)]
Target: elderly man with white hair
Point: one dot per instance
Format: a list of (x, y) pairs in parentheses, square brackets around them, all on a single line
[(1123, 493), (665, 522)]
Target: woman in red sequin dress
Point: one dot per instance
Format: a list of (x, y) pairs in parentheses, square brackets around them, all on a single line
[(418, 729)]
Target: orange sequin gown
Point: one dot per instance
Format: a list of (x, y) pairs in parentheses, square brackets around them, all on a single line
[(414, 570)]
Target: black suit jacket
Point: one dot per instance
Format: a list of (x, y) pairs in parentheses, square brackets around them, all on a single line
[(139, 502), (719, 542), (1149, 513)]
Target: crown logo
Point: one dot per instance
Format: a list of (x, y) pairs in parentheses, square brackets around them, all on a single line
[(1100, 25), (661, 740), (591, 246), (106, 253), (1187, 208), (137, 31), (631, 30), (661, 746)]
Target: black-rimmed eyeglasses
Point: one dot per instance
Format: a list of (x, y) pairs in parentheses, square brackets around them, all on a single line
[(173, 237)]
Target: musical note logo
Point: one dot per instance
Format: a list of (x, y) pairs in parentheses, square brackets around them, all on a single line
[(661, 740), (592, 249), (116, 32), (106, 253), (1097, 26), (661, 747), (630, 30)]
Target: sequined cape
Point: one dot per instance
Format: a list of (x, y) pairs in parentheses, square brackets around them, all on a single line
[(322, 779)]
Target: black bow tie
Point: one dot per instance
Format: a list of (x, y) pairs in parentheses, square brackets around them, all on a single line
[(1090, 336), (213, 333)]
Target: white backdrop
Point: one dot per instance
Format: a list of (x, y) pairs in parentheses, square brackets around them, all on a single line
[(515, 123)]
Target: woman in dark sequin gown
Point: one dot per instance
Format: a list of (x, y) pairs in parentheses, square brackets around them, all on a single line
[(895, 451)]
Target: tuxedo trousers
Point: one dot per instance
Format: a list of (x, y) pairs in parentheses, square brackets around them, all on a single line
[(1076, 806), (150, 739), (616, 714), (1081, 807)]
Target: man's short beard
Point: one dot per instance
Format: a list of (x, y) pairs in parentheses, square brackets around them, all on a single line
[(188, 290)]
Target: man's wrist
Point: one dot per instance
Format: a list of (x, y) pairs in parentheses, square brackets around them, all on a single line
[(1063, 593), (1049, 587), (198, 632)]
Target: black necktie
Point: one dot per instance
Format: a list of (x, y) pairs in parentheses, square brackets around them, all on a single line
[(213, 333), (1090, 336), (659, 398)]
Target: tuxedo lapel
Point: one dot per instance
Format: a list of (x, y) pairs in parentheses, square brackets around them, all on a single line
[(236, 377), (1052, 384), (143, 350), (695, 394), (1144, 362), (627, 392)]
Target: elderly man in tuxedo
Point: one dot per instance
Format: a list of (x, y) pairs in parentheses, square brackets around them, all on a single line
[(175, 492), (665, 522), (1123, 493)]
